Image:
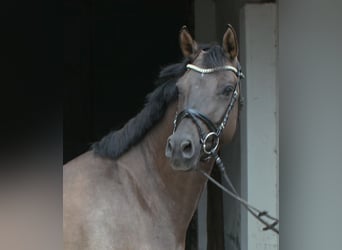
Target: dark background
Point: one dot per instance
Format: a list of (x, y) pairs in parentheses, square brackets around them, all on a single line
[(113, 51)]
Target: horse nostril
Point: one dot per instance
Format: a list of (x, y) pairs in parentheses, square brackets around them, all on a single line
[(187, 149)]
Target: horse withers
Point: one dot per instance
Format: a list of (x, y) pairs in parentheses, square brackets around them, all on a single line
[(138, 187)]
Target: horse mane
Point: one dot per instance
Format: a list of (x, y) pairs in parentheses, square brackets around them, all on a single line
[(116, 143)]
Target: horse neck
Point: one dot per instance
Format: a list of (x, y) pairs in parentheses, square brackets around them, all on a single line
[(179, 191)]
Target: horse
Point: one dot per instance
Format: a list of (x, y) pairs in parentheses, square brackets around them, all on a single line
[(138, 187)]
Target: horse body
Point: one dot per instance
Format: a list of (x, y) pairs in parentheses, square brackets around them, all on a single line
[(138, 188), (129, 203)]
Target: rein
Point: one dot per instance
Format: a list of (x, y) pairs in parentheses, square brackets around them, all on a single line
[(210, 149), (258, 214)]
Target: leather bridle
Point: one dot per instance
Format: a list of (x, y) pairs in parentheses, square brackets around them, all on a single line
[(210, 142)]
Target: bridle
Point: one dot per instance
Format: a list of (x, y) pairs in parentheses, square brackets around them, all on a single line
[(215, 132), (210, 149)]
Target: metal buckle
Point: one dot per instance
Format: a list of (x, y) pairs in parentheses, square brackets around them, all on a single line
[(215, 143)]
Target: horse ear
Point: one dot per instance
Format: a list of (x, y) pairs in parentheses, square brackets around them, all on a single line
[(187, 44), (230, 42)]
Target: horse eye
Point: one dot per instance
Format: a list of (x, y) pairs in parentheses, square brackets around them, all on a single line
[(227, 90)]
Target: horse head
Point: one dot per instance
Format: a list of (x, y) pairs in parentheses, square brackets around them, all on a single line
[(207, 109)]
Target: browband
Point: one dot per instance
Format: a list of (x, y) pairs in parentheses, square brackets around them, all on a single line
[(211, 70)]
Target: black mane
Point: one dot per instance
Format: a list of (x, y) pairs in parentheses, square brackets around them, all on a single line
[(114, 144)]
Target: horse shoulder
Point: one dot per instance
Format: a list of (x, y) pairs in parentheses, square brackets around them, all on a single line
[(89, 202)]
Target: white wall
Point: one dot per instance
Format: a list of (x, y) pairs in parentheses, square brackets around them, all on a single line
[(259, 122), (310, 89)]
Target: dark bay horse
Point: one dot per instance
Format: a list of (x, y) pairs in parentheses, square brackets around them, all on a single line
[(138, 187)]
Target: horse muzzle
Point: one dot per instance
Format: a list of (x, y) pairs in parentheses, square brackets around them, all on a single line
[(182, 152)]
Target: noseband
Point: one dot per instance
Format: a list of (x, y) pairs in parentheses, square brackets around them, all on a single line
[(209, 141)]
